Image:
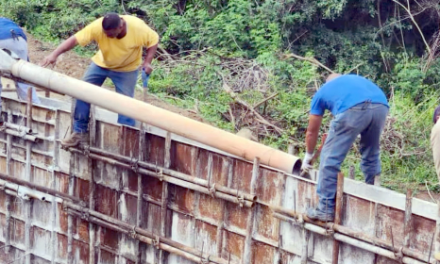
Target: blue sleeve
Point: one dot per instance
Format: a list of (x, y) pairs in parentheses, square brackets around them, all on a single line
[(317, 106)]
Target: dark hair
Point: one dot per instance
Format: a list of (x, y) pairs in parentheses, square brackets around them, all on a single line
[(111, 21), (436, 113)]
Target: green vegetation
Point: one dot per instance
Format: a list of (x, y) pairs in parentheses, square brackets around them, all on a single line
[(212, 51)]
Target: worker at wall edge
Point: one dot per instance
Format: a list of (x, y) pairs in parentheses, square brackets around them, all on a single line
[(121, 39), (13, 39), (435, 140), (359, 107)]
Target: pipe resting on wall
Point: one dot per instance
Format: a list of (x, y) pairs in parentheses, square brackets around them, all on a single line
[(149, 114)]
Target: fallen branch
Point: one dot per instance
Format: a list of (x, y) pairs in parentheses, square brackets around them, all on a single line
[(265, 100), (311, 60), (232, 117), (261, 119)]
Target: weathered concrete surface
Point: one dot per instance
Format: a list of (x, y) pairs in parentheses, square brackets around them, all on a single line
[(37, 231)]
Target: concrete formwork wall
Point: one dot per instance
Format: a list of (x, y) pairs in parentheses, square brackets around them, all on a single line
[(41, 230)]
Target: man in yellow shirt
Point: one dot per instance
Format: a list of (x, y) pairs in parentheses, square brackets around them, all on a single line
[(435, 141), (120, 40)]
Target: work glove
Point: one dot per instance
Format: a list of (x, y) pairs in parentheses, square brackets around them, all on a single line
[(306, 166)]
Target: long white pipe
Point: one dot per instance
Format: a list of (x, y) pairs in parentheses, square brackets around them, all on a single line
[(149, 114)]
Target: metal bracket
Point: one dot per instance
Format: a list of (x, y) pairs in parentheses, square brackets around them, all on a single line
[(86, 150), (301, 220), (240, 200), (132, 233), (161, 176), (399, 255), (22, 194), (84, 211), (65, 148), (204, 260), (212, 191), (156, 241), (85, 215), (135, 165), (65, 207), (2, 187)]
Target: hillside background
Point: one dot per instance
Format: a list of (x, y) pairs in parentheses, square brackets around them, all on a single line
[(257, 64)]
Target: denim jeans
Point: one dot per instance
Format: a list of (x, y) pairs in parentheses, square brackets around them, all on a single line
[(366, 119), (124, 82)]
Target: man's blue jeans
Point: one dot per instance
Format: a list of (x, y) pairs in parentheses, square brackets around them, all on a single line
[(366, 119), (124, 82)]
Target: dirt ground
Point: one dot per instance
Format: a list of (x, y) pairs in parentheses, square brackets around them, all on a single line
[(74, 65)]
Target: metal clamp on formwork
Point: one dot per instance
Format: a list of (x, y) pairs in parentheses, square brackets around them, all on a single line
[(85, 214), (86, 150), (84, 211), (161, 176), (301, 220), (23, 194), (65, 148), (240, 200), (212, 191), (399, 255), (204, 260), (132, 233), (156, 241), (21, 133), (134, 165), (65, 207)]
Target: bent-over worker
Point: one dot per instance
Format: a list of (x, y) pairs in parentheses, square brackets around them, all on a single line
[(435, 140), (120, 40), (359, 107), (13, 38)]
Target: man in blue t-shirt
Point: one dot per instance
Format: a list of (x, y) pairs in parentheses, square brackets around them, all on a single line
[(13, 38), (359, 107)]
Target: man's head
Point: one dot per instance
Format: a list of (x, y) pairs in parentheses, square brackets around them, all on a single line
[(332, 76), (436, 114), (112, 25)]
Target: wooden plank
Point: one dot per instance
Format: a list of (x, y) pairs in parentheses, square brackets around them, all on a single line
[(164, 206), (250, 226), (55, 164), (338, 214), (407, 228), (227, 168), (142, 151), (91, 162)]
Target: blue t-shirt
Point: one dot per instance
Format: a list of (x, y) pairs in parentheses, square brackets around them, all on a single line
[(5, 29), (344, 92)]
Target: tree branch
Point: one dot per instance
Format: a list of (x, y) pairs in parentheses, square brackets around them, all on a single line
[(407, 9), (311, 60), (234, 96), (265, 100)]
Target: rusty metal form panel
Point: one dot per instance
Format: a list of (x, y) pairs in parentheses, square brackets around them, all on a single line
[(135, 195)]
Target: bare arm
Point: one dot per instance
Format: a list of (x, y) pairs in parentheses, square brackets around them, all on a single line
[(313, 132), (151, 51), (67, 45)]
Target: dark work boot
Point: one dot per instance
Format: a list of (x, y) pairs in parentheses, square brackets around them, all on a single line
[(74, 139), (316, 214)]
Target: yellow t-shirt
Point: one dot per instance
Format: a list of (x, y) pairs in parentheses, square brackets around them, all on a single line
[(119, 54)]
